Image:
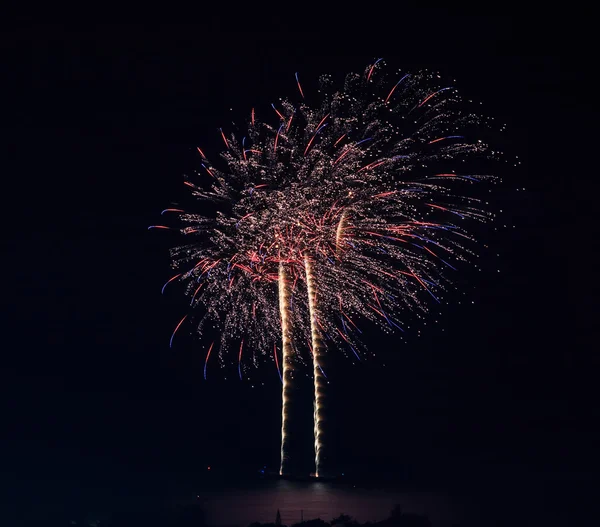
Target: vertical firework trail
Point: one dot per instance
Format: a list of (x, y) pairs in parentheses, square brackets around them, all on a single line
[(317, 353), (286, 344)]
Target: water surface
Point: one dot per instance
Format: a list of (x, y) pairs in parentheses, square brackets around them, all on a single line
[(260, 500)]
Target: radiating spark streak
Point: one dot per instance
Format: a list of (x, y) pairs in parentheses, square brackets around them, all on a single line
[(412, 273), (354, 351), (322, 121), (159, 227), (449, 265), (276, 138), (169, 281), (178, 325), (343, 336), (339, 139), (379, 235), (278, 112), (195, 293), (372, 165), (371, 69), (447, 137), (349, 149), (206, 360), (201, 152), (311, 354), (243, 268), (430, 251), (351, 322), (377, 298), (343, 154), (437, 206), (171, 210), (289, 123), (201, 262), (433, 95), (252, 116), (446, 209), (286, 359), (319, 380), (396, 325), (372, 286), (385, 315), (344, 325), (207, 169), (313, 138), (224, 138), (243, 218), (240, 359), (299, 87), (385, 194), (376, 310), (392, 91)]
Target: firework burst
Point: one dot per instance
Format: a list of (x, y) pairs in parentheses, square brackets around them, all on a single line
[(324, 215)]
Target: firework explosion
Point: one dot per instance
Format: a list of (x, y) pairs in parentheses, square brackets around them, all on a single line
[(325, 215)]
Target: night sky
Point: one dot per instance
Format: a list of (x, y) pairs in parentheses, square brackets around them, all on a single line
[(100, 125)]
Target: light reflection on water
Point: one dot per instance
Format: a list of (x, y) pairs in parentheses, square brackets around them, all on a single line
[(260, 502)]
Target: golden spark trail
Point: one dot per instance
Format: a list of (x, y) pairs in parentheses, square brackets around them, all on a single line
[(286, 342), (317, 351)]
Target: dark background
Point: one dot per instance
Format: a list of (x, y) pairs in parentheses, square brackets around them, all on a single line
[(100, 123)]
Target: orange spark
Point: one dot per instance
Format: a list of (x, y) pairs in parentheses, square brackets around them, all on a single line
[(278, 113), (299, 87), (341, 137), (384, 194), (345, 153), (370, 72), (276, 138), (436, 206), (224, 138), (390, 94), (372, 165), (196, 291), (322, 121)]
